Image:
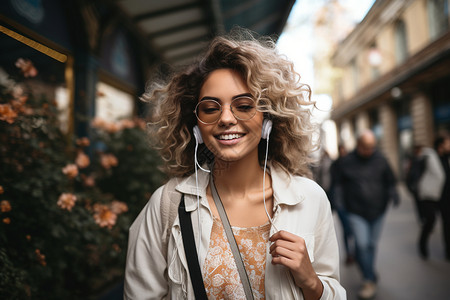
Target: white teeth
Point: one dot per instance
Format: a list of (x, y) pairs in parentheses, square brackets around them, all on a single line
[(229, 136)]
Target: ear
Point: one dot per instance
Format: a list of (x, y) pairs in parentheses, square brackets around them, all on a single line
[(266, 128), (197, 134)]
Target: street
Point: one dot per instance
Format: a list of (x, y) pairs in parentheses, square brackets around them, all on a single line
[(402, 273)]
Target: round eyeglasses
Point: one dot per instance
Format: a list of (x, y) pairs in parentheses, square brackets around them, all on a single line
[(208, 111)]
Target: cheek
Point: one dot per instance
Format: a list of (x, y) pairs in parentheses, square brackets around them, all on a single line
[(257, 124)]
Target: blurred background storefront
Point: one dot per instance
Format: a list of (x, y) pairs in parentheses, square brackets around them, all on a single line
[(95, 57)]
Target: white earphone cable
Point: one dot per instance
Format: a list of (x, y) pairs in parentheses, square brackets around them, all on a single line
[(198, 196), (264, 185)]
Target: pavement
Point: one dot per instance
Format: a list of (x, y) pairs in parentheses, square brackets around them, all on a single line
[(402, 274)]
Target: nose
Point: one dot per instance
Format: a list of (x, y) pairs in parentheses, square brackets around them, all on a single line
[(227, 117)]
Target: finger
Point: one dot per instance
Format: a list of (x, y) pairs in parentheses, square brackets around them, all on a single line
[(284, 235), (289, 259), (292, 246), (283, 252), (296, 243)]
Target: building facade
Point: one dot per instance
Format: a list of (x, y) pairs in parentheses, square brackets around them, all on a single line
[(395, 77)]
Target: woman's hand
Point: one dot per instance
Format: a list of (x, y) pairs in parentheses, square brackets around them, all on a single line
[(289, 250)]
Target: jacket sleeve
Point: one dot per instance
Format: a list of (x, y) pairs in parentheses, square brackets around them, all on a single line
[(326, 253), (146, 265), (391, 184)]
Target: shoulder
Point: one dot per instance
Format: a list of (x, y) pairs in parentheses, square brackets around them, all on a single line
[(349, 158), (307, 191), (160, 205), (305, 204), (305, 185), (291, 186), (161, 195)]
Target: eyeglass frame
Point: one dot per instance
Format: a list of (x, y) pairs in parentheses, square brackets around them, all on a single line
[(221, 109)]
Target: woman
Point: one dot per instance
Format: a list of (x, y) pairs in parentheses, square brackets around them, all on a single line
[(281, 220)]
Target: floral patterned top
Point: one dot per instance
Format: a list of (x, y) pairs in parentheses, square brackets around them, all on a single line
[(220, 274)]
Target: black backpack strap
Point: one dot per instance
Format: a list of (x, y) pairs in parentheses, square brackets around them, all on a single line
[(191, 252)]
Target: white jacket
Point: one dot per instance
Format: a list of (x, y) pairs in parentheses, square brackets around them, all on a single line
[(432, 181), (300, 207)]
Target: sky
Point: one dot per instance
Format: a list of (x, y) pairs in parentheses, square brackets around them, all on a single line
[(297, 43)]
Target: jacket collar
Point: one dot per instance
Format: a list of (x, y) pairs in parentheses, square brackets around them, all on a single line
[(286, 188), (188, 186)]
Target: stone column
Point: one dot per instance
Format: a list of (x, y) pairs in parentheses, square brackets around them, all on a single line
[(422, 119), (362, 122), (389, 141), (347, 135)]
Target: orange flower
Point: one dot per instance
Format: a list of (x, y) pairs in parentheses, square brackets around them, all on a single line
[(40, 257), (82, 160), (140, 123), (7, 220), (5, 206), (28, 111), (18, 102), (108, 161), (118, 207), (103, 216), (83, 142), (28, 237), (27, 67), (126, 123), (2, 190), (7, 113), (116, 248), (112, 127), (66, 201), (98, 123), (71, 170), (88, 181)]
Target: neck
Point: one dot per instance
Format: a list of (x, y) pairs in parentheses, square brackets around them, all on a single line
[(238, 177)]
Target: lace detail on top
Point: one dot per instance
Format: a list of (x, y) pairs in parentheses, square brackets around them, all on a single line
[(220, 273)]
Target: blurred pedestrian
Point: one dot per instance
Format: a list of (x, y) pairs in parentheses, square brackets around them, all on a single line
[(442, 146), (429, 191), (415, 169), (337, 204), (366, 184), (321, 171)]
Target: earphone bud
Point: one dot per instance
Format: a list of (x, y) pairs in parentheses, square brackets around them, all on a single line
[(198, 140), (266, 128), (197, 134)]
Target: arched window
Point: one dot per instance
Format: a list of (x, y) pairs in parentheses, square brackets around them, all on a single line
[(437, 17), (401, 42)]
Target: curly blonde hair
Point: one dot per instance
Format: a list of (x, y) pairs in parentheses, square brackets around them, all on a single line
[(272, 81)]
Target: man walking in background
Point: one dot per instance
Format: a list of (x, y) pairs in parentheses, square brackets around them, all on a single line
[(365, 184)]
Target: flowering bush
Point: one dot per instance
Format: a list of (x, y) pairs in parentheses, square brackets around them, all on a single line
[(66, 204)]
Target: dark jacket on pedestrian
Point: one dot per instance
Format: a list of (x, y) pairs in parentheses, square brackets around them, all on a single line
[(365, 185)]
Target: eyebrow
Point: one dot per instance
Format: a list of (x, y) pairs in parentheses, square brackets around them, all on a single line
[(232, 98)]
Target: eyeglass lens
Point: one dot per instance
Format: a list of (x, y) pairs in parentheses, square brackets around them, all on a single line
[(209, 111)]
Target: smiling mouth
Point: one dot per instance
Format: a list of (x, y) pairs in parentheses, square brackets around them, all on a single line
[(228, 137)]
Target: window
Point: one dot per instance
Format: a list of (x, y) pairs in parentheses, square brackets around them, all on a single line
[(375, 60), (437, 17), (401, 42), (112, 104)]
